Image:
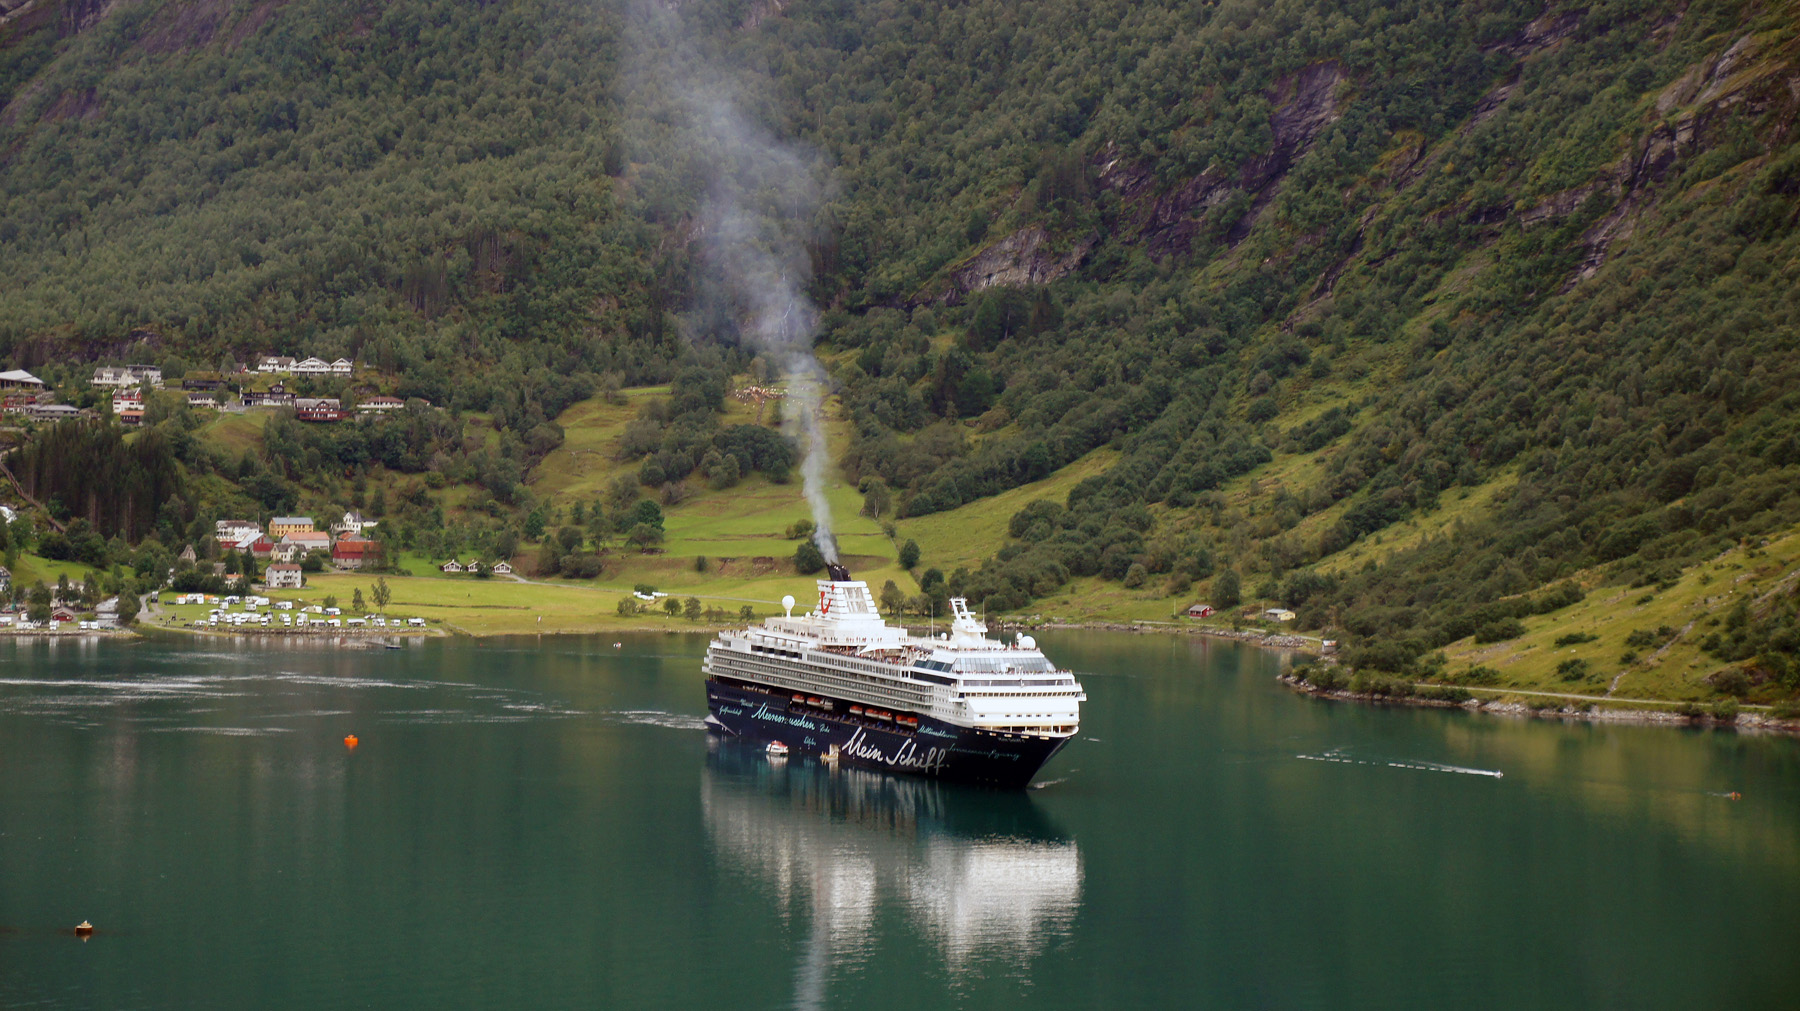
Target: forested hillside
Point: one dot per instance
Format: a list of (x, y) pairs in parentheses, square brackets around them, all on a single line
[(1309, 267)]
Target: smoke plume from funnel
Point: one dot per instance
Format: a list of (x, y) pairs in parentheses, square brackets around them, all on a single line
[(756, 224)]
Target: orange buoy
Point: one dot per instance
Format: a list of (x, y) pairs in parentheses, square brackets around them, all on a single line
[(350, 742), (83, 929), (1734, 795)]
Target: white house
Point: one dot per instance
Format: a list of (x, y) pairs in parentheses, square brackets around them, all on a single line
[(127, 375), (275, 363), (297, 544), (312, 367), (502, 569), (19, 379), (353, 524), (451, 566), (284, 577), (380, 405), (234, 531), (202, 398), (342, 367)]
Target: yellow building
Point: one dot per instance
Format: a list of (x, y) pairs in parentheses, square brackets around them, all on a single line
[(281, 526)]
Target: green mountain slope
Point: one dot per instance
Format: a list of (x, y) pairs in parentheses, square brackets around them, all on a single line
[(1404, 313)]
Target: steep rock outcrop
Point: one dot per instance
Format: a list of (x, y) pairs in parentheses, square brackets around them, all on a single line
[(1024, 257), (1692, 114), (1305, 102), (760, 11)]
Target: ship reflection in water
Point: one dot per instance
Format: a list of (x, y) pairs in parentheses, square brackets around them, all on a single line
[(979, 874)]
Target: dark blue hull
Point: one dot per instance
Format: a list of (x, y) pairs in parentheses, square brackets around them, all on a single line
[(936, 749)]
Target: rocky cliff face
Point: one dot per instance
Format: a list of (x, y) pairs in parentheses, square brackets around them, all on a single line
[(173, 28), (1764, 88), (1027, 256), (1167, 222)]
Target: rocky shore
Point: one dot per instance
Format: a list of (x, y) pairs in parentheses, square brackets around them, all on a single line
[(1596, 712), (1253, 636)]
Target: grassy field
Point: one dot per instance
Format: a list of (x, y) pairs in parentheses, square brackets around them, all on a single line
[(587, 461), (500, 606), (1457, 506), (1674, 667), (31, 569), (965, 535), (741, 530)]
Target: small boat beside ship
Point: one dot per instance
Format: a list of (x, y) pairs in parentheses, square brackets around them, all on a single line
[(838, 681)]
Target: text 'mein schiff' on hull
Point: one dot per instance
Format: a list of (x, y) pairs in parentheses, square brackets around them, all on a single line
[(841, 683)]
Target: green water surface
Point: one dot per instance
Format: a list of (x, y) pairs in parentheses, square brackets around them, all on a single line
[(545, 824)]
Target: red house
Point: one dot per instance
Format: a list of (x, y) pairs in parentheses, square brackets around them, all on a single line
[(354, 553), (1200, 611)]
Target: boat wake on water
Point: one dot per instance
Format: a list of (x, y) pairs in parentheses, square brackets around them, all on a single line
[(658, 718), (1339, 759)]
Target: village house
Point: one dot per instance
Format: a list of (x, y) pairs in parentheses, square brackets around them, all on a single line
[(232, 531), (1278, 614), (132, 418), (312, 367), (64, 614), (201, 398), (205, 384), (1200, 611), (353, 524), (451, 566), (19, 379), (342, 367), (502, 569), (323, 409), (131, 399), (294, 547), (380, 405), (53, 412), (187, 555), (275, 363), (354, 553), (282, 526), (277, 396), (282, 576), (127, 375), (258, 544)]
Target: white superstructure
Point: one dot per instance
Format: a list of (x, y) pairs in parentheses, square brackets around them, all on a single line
[(843, 654)]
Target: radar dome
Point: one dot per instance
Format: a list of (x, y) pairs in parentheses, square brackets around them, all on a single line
[(1027, 642), (787, 604)]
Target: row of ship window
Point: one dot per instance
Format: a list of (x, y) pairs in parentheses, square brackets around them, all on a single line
[(774, 674), (880, 677)]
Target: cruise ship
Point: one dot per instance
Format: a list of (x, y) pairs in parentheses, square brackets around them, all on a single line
[(841, 683)]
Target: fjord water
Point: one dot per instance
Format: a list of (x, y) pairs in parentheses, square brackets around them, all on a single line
[(545, 824)]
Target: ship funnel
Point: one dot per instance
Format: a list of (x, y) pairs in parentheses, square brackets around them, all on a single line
[(838, 573)]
